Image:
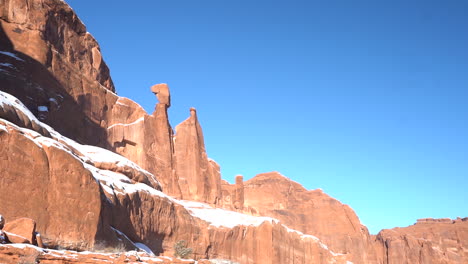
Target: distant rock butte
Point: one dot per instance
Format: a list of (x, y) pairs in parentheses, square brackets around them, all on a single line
[(92, 168)]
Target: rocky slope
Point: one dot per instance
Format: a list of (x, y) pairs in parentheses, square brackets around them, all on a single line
[(94, 168)]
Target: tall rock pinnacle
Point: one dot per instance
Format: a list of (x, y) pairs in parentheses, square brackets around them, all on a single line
[(199, 177)]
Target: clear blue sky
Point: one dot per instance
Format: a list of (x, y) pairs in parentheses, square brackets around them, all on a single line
[(367, 100)]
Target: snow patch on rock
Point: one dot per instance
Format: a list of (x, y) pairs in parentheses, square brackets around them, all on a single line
[(7, 99), (223, 218), (133, 123)]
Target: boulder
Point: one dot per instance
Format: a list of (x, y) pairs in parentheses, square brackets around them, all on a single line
[(22, 227), (14, 238)]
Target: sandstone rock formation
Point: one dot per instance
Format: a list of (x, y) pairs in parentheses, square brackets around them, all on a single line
[(162, 93), (199, 177), (428, 241), (23, 227), (82, 196), (55, 67), (311, 212), (116, 207)]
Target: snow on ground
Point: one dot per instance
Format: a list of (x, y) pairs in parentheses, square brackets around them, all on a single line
[(223, 218), (118, 184), (7, 99), (70, 254), (145, 248)]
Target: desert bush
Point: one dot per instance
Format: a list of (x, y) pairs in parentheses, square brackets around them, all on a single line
[(181, 250), (102, 247)]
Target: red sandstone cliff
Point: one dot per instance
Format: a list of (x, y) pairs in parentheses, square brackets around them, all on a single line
[(82, 195)]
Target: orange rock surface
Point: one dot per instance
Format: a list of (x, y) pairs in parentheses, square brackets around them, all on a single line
[(92, 168)]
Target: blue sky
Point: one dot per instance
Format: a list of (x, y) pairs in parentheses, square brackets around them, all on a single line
[(367, 100)]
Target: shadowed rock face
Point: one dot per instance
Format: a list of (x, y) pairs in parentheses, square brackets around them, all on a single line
[(55, 67), (52, 65)]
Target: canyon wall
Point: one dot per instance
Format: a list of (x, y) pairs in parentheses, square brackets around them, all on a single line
[(91, 167)]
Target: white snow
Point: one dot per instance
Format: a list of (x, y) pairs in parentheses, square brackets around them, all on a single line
[(133, 123), (11, 55), (223, 218), (2, 127), (144, 248), (7, 99), (22, 246), (120, 103), (42, 108)]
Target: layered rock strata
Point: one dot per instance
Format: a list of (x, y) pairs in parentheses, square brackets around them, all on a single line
[(82, 196)]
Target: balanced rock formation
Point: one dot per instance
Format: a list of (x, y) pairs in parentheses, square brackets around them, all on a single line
[(162, 93), (146, 139)]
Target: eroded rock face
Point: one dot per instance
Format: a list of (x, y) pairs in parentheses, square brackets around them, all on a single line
[(146, 140), (311, 212), (428, 241), (52, 34), (51, 186), (55, 67)]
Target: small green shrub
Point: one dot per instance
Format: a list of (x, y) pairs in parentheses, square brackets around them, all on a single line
[(181, 249)]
